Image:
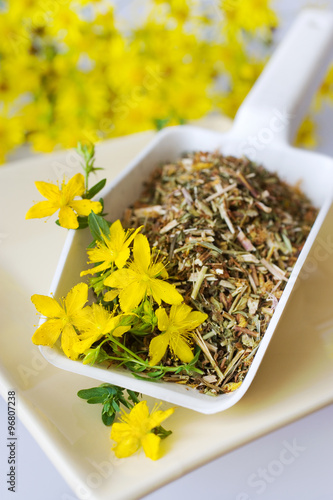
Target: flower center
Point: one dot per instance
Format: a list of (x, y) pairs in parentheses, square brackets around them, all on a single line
[(63, 200)]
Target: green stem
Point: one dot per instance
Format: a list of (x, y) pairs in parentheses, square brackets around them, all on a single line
[(86, 179), (141, 362), (122, 346)]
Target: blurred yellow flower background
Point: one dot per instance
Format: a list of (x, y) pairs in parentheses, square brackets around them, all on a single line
[(69, 71)]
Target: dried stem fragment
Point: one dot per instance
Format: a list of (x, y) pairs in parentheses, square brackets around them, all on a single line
[(201, 343)]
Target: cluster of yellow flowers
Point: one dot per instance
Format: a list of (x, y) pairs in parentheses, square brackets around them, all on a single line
[(139, 285), (80, 326), (71, 71)]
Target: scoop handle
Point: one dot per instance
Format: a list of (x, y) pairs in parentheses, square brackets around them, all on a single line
[(275, 106)]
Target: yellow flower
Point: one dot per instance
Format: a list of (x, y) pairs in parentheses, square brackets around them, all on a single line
[(62, 319), (325, 90), (175, 334), (135, 431), (11, 134), (250, 15), (232, 386), (42, 141), (307, 134), (141, 278), (63, 199), (114, 249), (69, 89), (98, 323)]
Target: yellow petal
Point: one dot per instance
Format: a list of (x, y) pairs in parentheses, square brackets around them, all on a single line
[(117, 234), (111, 295), (157, 348), (80, 346), (158, 269), (82, 319), (181, 348), (48, 332), (141, 252), (162, 290), (47, 306), (182, 317), (88, 334), (120, 431), (41, 209), (100, 254), (68, 341), (139, 413), (120, 330), (122, 257), (232, 386), (84, 207), (121, 278), (193, 320), (162, 318), (130, 237), (150, 444), (95, 269), (74, 187), (158, 416), (110, 324), (76, 298), (68, 218), (48, 190), (131, 296), (127, 447), (179, 313), (102, 317)]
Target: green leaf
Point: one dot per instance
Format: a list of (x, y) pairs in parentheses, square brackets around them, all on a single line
[(95, 189), (91, 245), (102, 356), (91, 356), (108, 419), (115, 405), (83, 222), (96, 400), (102, 203), (97, 226), (86, 393), (156, 374), (133, 396), (111, 397), (133, 366), (107, 407), (94, 392), (161, 432), (124, 402), (112, 390)]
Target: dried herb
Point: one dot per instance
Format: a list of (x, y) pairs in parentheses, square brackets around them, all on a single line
[(231, 232)]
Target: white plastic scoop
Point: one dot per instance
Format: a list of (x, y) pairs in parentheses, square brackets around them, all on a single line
[(263, 127)]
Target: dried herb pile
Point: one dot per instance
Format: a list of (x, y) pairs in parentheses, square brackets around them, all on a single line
[(231, 233)]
